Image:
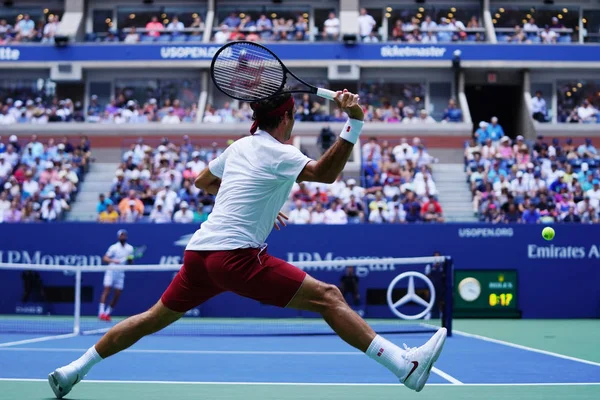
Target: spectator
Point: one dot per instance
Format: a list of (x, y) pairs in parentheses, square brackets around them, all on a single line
[(548, 36), (531, 27), (431, 214), (109, 215), (170, 118), (124, 204), (299, 215), (495, 131), (50, 29), (317, 215), (410, 116), (103, 203), (430, 37), (414, 36), (131, 213), (371, 38), (452, 113), (378, 215), (335, 215), (132, 37), (154, 27), (222, 35), (184, 215), (197, 26), (571, 217), (354, 211), (158, 215), (587, 150), (265, 27), (111, 37), (398, 31), (519, 36), (176, 27), (168, 197), (300, 28), (586, 113), (531, 215), (425, 118), (51, 208), (428, 24), (538, 107), (232, 21), (366, 23), (25, 29), (331, 27)]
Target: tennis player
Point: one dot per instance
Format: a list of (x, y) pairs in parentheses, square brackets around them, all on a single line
[(120, 253), (252, 180)]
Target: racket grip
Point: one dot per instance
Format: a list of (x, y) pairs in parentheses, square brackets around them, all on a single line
[(326, 93)]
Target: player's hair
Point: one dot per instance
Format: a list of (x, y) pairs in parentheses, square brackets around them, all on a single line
[(262, 108)]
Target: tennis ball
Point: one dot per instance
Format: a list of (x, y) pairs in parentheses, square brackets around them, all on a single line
[(548, 233)]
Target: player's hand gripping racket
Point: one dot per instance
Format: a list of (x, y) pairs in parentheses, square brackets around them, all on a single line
[(250, 72)]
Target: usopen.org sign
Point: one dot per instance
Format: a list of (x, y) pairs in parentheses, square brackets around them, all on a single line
[(188, 52)]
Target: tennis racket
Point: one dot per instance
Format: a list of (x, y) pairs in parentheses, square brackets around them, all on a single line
[(138, 252), (251, 72)]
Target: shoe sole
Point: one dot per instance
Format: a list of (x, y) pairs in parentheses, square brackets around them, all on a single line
[(55, 386), (436, 354)]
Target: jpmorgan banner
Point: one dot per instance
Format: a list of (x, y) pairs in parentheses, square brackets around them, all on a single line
[(557, 279)]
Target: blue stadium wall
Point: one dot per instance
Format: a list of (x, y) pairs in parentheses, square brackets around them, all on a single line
[(558, 279)]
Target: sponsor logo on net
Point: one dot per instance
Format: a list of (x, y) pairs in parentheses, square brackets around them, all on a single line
[(485, 232), (9, 54), (562, 252), (409, 51), (37, 257), (188, 52), (361, 270)]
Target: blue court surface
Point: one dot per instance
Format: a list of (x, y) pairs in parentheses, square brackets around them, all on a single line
[(291, 368)]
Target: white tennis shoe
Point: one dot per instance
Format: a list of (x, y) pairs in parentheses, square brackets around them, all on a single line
[(420, 360), (63, 379)]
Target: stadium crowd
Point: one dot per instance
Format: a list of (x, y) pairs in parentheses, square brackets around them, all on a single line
[(39, 181), (516, 182), (25, 29), (157, 185)]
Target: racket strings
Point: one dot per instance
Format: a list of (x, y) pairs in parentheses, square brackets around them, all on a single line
[(248, 72)]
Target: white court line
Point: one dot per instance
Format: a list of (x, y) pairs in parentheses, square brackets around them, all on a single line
[(526, 348), (446, 376), (306, 383), (38, 340), (436, 371)]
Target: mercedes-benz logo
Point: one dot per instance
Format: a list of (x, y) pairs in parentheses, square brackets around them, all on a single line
[(411, 295)]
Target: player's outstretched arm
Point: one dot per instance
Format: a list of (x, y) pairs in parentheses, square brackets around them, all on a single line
[(332, 163), (208, 182)]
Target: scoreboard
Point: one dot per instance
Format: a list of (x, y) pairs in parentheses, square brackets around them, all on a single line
[(486, 293)]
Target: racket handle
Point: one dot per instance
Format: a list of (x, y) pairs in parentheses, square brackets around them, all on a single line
[(326, 93)]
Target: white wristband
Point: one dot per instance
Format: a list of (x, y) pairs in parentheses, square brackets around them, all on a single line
[(351, 130)]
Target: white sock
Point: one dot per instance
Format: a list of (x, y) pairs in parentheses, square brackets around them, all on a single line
[(84, 363), (101, 309), (108, 310), (387, 354)]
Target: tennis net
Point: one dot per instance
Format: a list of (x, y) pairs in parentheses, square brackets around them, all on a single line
[(393, 294)]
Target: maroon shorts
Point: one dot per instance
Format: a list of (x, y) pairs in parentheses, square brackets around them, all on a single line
[(250, 273)]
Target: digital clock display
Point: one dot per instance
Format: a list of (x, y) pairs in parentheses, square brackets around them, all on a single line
[(486, 293)]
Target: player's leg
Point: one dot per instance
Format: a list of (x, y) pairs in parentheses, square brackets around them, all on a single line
[(107, 283), (190, 288), (271, 280), (411, 366), (118, 286)]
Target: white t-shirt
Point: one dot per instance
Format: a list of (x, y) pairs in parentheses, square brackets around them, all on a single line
[(160, 217), (183, 217), (332, 26), (337, 217), (366, 23), (257, 174), (299, 217), (119, 253), (315, 217)]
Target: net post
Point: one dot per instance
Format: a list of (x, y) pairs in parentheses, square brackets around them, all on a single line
[(449, 295), (77, 312)]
